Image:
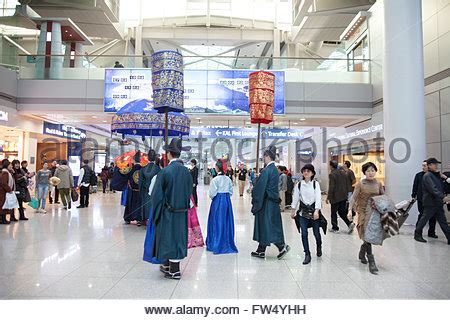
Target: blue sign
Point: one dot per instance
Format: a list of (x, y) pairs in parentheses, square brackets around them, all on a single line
[(64, 131), (205, 91), (245, 133)]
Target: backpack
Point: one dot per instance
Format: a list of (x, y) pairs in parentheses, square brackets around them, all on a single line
[(91, 174), (119, 181)]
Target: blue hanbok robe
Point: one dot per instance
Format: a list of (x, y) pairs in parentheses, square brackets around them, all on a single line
[(220, 236)]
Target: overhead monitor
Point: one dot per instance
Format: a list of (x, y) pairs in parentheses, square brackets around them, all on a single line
[(205, 91)]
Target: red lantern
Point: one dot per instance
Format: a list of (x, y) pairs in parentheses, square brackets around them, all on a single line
[(261, 96)]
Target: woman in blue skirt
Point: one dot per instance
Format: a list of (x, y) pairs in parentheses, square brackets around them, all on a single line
[(220, 237)]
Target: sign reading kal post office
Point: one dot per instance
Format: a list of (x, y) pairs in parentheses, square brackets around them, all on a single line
[(64, 131)]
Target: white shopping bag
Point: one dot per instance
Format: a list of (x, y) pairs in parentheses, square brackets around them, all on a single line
[(11, 201)]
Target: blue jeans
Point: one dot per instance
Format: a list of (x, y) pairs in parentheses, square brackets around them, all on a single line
[(42, 191), (304, 225)]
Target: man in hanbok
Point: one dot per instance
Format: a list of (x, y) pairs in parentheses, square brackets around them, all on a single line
[(145, 178), (133, 209), (268, 226), (170, 200)]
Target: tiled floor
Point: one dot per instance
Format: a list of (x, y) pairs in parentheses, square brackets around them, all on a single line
[(91, 254)]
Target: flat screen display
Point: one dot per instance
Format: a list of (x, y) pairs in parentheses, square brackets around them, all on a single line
[(205, 91)]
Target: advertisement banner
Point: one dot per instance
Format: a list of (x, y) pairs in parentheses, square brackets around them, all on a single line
[(205, 91)]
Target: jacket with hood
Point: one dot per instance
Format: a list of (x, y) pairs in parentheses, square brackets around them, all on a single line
[(64, 173)]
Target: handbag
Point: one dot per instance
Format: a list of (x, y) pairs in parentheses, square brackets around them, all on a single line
[(24, 195), (34, 203), (74, 195), (10, 201)]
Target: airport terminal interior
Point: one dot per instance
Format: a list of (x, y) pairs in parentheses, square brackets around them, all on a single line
[(198, 149)]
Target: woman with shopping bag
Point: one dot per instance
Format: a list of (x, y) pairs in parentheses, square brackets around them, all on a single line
[(8, 199), (364, 190)]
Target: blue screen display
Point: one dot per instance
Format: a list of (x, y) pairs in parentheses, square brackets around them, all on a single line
[(205, 91)]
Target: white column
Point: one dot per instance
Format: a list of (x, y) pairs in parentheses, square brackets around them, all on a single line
[(56, 61), (40, 60), (403, 96), (138, 47), (276, 49)]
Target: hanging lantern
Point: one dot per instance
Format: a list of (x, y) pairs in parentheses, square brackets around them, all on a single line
[(261, 96), (167, 81)]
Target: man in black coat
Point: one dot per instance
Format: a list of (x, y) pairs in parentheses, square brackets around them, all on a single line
[(418, 195), (433, 201), (337, 197), (194, 174)]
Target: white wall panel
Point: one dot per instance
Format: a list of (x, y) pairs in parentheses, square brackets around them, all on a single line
[(443, 20), (430, 30), (445, 120), (433, 127), (432, 105), (431, 58), (445, 101)]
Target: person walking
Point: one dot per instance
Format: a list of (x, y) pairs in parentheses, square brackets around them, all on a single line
[(418, 195), (337, 197), (194, 173), (110, 176), (104, 176), (220, 236), (268, 225), (54, 189), (290, 189), (6, 186), (282, 187), (433, 201), (134, 210), (42, 186), (242, 178), (364, 190), (351, 180), (145, 179), (84, 181), (22, 192), (171, 201), (306, 205), (64, 173)]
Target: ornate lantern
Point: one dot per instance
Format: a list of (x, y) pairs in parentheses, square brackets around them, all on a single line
[(261, 96), (167, 81)]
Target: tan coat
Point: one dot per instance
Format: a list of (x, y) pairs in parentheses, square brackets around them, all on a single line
[(4, 188), (364, 190)]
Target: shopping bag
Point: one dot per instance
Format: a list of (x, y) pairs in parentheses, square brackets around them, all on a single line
[(74, 195), (34, 203), (10, 201)]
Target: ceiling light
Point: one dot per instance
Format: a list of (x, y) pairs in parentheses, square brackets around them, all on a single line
[(302, 119), (198, 118), (104, 121), (95, 117), (295, 122)]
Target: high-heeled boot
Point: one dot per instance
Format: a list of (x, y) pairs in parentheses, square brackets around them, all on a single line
[(12, 216), (372, 266), (362, 254), (22, 215)]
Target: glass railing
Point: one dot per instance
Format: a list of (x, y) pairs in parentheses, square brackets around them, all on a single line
[(93, 66)]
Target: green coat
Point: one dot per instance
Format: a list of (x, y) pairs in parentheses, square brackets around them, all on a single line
[(170, 200), (268, 226), (145, 178)]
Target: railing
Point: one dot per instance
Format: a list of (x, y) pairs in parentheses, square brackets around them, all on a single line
[(93, 66)]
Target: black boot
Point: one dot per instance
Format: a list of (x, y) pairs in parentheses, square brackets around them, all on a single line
[(164, 268), (372, 266), (174, 271), (22, 215), (307, 258), (362, 254), (3, 219), (418, 237), (319, 251), (12, 217)]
